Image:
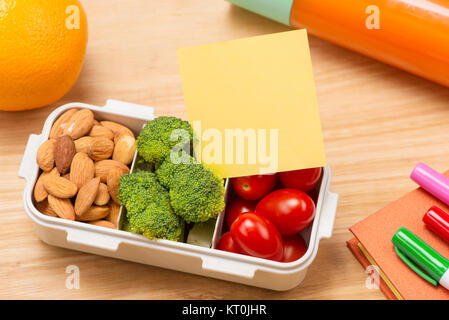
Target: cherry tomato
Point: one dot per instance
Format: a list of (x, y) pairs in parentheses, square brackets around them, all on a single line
[(290, 210), (226, 243), (236, 207), (314, 195), (304, 180), (257, 236), (294, 248), (254, 187)]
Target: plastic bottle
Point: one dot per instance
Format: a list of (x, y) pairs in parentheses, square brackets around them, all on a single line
[(409, 34)]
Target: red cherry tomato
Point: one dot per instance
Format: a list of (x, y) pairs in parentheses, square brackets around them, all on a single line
[(314, 195), (236, 207), (304, 180), (254, 187), (294, 248), (226, 243), (258, 237), (290, 210)]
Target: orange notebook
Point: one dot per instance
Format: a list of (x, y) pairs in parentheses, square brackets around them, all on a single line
[(353, 245), (374, 235)]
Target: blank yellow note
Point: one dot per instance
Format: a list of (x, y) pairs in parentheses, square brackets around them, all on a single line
[(253, 105)]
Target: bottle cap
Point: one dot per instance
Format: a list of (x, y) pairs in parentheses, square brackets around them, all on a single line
[(438, 221), (278, 10)]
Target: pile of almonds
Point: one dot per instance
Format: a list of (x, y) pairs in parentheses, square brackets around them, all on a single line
[(82, 163)]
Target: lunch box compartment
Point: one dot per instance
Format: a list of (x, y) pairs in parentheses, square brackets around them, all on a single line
[(164, 253)]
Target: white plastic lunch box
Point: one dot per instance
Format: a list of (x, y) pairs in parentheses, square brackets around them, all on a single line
[(164, 253)]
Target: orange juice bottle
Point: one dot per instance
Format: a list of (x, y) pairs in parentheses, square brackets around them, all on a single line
[(409, 34)]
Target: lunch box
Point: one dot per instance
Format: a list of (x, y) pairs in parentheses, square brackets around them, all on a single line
[(179, 256)]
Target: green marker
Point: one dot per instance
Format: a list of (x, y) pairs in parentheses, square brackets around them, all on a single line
[(430, 265)]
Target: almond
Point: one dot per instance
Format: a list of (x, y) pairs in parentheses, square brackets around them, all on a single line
[(44, 207), (122, 132), (62, 207), (116, 128), (46, 155), (101, 148), (82, 169), (114, 211), (98, 148), (103, 223), (86, 196), (40, 194), (100, 131), (67, 175), (58, 127), (124, 149), (96, 123), (94, 213), (80, 123), (64, 153), (103, 167), (113, 182), (83, 144), (102, 195), (59, 186)]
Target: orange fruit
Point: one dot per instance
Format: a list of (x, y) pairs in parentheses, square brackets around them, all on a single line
[(42, 47)]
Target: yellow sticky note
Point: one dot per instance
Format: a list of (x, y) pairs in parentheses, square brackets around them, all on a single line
[(252, 104)]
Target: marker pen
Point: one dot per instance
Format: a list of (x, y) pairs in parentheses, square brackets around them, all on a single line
[(421, 258), (408, 34), (438, 221), (432, 181)]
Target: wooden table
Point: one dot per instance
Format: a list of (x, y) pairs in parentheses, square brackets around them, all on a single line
[(378, 123)]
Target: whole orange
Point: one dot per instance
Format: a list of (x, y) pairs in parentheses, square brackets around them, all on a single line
[(42, 47)]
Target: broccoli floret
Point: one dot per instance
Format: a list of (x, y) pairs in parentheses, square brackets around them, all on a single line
[(196, 192), (128, 227), (155, 141), (148, 208), (142, 165)]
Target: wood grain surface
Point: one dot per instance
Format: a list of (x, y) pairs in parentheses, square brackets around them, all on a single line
[(378, 122)]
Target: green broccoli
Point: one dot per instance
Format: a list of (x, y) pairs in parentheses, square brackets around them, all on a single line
[(148, 208), (128, 227), (196, 192), (155, 142)]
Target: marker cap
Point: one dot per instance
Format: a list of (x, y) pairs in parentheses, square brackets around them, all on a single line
[(419, 256), (438, 221), (278, 10), (432, 181)]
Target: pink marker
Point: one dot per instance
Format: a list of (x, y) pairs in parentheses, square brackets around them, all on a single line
[(432, 181)]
